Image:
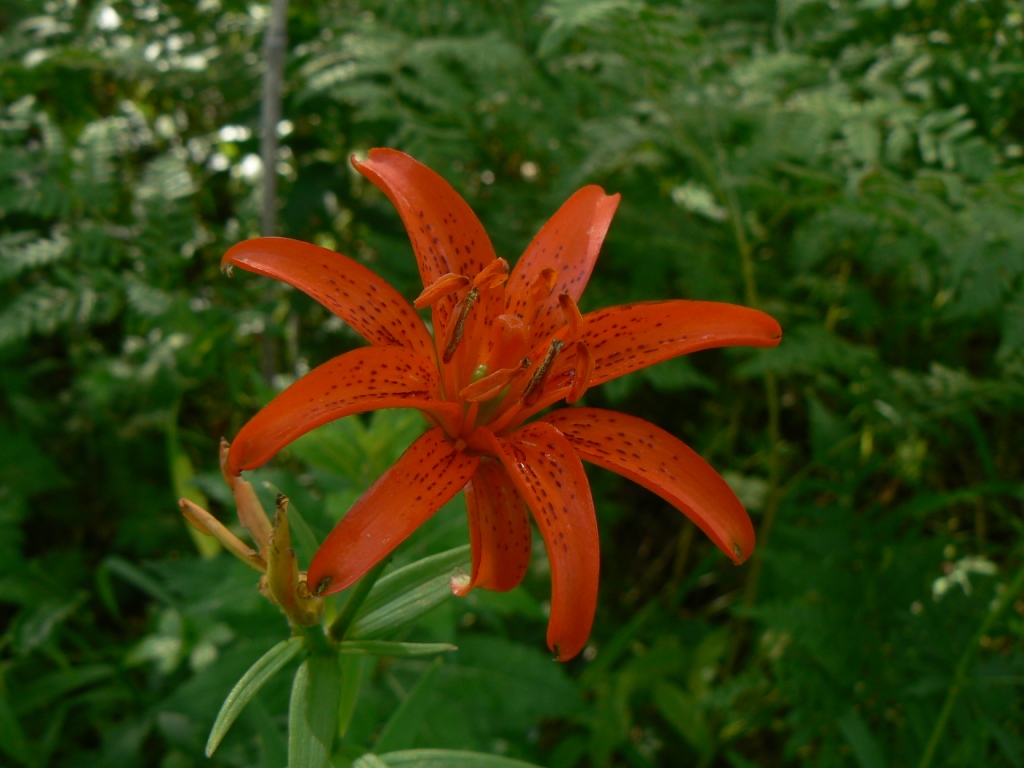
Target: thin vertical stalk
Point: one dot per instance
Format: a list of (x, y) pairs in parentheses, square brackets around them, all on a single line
[(752, 297), (275, 41)]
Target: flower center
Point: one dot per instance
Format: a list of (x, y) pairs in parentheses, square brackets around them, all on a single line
[(498, 343)]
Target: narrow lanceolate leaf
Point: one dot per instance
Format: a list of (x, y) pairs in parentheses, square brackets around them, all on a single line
[(374, 309), (428, 474), (660, 462), (393, 649), (400, 730), (361, 380), (408, 593), (549, 475), (446, 235), (438, 758), (569, 244), (313, 712), (259, 673), (629, 337), (353, 670), (499, 530)]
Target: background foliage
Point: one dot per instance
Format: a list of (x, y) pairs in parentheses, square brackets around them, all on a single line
[(854, 168)]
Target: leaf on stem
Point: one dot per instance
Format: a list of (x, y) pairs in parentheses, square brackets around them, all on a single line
[(247, 687), (313, 713), (408, 593)]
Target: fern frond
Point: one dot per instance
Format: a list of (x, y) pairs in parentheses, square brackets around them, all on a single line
[(20, 251)]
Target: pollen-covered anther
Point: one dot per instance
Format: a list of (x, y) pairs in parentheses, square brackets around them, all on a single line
[(443, 286), (453, 334), (532, 392), (583, 372), (492, 384)]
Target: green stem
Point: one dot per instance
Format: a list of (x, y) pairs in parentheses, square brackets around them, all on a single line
[(773, 496), (316, 640), (355, 601), (962, 667)]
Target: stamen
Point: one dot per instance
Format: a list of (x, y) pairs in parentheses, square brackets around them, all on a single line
[(573, 318), (584, 371), (444, 285), (456, 325), (493, 275), (537, 292), (532, 392)]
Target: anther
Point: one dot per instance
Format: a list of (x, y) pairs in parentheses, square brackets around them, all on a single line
[(441, 287), (457, 325), (573, 318), (583, 371), (532, 392), (493, 275)]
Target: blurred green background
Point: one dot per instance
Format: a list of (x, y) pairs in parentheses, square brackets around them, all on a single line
[(853, 168)]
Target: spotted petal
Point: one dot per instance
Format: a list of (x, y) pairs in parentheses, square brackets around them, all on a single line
[(569, 244), (660, 462), (446, 235), (363, 380), (369, 304), (499, 530), (629, 337), (428, 474), (550, 477)]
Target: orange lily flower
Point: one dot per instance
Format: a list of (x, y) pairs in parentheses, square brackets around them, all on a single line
[(506, 346)]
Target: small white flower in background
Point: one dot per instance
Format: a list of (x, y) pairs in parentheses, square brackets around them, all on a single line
[(697, 198), (108, 19), (958, 572)]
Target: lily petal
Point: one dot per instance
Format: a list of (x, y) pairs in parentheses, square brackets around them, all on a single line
[(446, 235), (365, 301), (361, 380), (629, 337), (568, 243), (430, 472), (660, 462), (550, 477), (499, 530)]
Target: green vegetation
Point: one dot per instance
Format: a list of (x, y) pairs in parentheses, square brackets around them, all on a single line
[(853, 168)]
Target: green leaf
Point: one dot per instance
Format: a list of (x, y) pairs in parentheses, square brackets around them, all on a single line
[(133, 575), (388, 648), (182, 483), (51, 688), (683, 713), (400, 729), (438, 758), (12, 737), (866, 749), (408, 593), (258, 674), (353, 670), (312, 716)]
